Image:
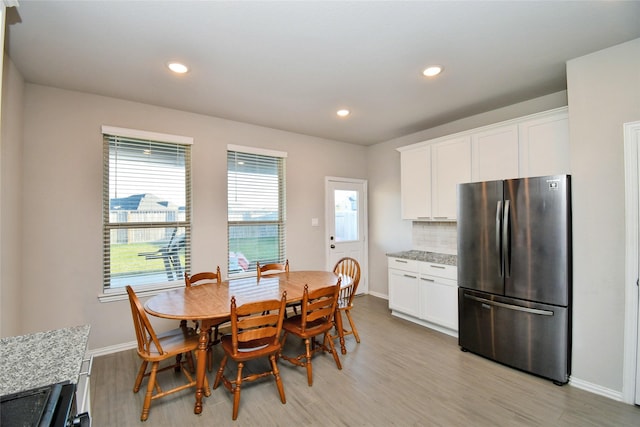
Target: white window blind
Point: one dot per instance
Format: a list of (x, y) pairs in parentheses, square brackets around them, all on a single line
[(146, 209), (256, 208)]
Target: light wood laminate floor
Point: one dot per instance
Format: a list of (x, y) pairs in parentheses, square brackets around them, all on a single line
[(400, 374)]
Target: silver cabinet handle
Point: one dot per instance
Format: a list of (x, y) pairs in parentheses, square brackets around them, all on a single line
[(402, 261), (409, 276)]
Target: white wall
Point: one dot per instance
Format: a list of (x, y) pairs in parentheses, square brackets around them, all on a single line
[(11, 200), (387, 231), (604, 93), (62, 205)]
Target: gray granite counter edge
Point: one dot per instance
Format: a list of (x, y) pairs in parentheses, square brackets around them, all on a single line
[(435, 257)]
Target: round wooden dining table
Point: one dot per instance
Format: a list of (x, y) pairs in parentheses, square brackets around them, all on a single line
[(210, 303)]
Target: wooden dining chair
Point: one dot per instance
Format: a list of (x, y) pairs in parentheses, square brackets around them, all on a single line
[(276, 268), (351, 268), (255, 333), (261, 269), (154, 348), (316, 317), (200, 279)]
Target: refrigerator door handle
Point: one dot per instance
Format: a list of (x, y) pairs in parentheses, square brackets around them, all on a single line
[(510, 306), (498, 238), (506, 243)]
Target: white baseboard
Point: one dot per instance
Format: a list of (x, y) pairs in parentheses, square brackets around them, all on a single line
[(379, 295), (596, 389), (112, 349)]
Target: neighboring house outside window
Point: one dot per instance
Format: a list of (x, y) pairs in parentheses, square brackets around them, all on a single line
[(146, 210), (256, 208)]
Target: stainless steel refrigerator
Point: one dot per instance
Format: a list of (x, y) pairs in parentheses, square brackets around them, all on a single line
[(514, 273)]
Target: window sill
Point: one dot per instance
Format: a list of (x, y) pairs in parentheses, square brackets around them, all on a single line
[(119, 294)]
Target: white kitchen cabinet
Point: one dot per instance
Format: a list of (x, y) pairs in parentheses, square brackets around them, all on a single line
[(439, 295), (425, 293), (494, 153), (451, 165), (544, 144), (415, 182), (534, 145), (404, 286)]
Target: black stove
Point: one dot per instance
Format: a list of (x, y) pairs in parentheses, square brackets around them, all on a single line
[(47, 406)]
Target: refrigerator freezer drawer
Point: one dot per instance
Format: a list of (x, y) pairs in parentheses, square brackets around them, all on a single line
[(529, 336)]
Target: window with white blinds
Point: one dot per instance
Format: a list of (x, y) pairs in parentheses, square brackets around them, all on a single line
[(256, 208), (146, 209)]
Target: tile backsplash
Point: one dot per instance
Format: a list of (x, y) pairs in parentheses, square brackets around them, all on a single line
[(435, 237)]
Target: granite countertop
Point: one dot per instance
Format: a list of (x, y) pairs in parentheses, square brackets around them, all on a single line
[(42, 358), (425, 256)]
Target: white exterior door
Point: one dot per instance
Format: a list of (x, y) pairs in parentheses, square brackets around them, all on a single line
[(346, 222)]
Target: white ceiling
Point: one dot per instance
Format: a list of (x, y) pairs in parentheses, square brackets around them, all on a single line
[(291, 65)]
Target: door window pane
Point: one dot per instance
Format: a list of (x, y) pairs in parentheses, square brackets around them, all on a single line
[(346, 215)]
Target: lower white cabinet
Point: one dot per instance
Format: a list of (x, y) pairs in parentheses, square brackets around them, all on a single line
[(404, 295), (439, 294), (425, 293)]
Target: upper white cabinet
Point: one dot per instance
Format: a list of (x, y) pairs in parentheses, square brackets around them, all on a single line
[(494, 153), (415, 180), (534, 145), (544, 145), (450, 166)]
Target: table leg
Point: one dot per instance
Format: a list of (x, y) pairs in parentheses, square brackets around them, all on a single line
[(201, 365)]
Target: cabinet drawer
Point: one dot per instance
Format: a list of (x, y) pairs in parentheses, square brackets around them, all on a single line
[(439, 270), (403, 264)]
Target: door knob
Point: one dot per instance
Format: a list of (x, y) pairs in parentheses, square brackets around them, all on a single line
[(333, 246)]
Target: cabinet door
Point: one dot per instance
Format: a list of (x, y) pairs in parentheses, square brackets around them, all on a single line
[(415, 183), (451, 165), (404, 292), (439, 301), (494, 154), (544, 145)]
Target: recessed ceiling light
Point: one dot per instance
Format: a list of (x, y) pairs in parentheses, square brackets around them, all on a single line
[(343, 113), (433, 70), (177, 67)]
